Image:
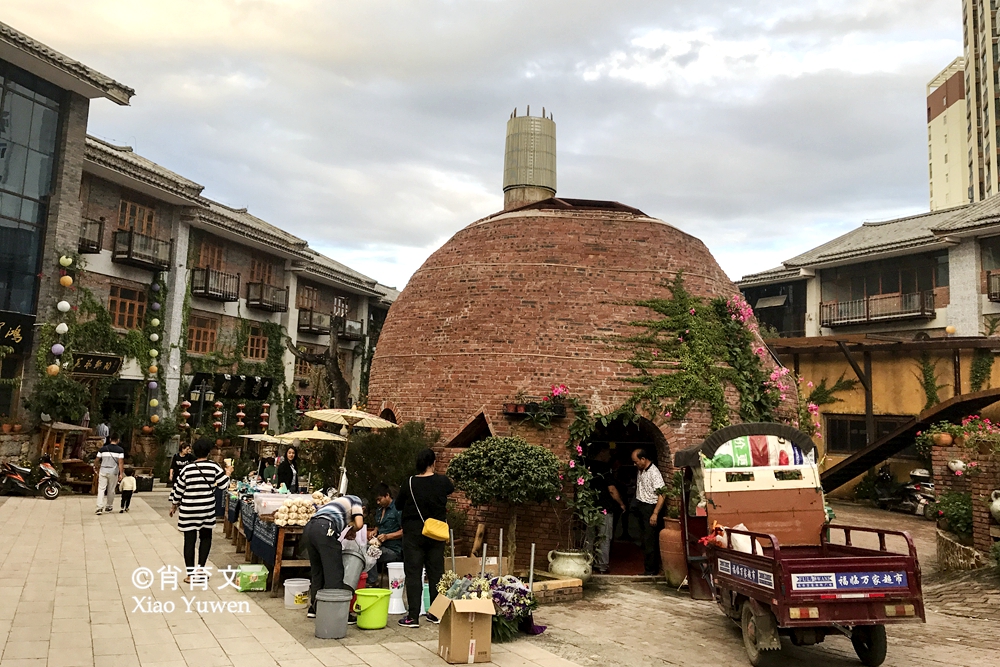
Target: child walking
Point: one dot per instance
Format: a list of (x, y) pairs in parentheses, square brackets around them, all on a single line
[(127, 489)]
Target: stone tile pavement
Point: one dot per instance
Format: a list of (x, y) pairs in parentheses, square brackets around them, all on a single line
[(67, 599)]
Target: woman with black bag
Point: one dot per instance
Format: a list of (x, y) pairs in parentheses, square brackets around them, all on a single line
[(193, 497), (424, 496)]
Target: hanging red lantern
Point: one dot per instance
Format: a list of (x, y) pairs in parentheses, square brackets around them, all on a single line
[(218, 405), (185, 415), (217, 425), (185, 404)]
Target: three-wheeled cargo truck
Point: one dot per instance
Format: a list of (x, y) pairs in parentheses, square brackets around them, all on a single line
[(756, 539)]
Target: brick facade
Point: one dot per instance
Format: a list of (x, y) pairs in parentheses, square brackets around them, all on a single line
[(523, 300), (980, 486)]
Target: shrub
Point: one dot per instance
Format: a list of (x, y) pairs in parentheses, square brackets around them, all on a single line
[(956, 509), (865, 489), (506, 470), (386, 456)]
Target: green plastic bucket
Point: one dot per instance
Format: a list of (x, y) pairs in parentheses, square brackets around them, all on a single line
[(372, 608)]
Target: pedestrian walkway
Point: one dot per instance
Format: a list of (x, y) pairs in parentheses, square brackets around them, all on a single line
[(68, 599)]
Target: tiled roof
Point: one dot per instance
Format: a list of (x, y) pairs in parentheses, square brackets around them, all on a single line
[(769, 276), (125, 160), (240, 221), (971, 217), (109, 87), (390, 293), (323, 266)]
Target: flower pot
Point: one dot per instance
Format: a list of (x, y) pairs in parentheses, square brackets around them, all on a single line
[(571, 564), (960, 441), (17, 428), (672, 552), (521, 407), (509, 408), (6, 427), (942, 439)]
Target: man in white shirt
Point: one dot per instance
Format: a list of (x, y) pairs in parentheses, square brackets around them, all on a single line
[(648, 503)]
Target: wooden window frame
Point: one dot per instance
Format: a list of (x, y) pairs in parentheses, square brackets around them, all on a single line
[(211, 255), (202, 334), (261, 271), (307, 297), (127, 312), (303, 368), (341, 306), (256, 346), (137, 217)]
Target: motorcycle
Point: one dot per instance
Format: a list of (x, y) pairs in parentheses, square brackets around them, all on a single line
[(918, 497), (14, 478)]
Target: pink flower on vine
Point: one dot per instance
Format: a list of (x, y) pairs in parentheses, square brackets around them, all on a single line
[(809, 384), (973, 464), (958, 473), (579, 450), (558, 497), (667, 414), (604, 511), (572, 464), (691, 311), (655, 353), (560, 476), (579, 481)]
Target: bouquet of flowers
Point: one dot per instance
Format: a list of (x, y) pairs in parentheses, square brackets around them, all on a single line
[(514, 604)]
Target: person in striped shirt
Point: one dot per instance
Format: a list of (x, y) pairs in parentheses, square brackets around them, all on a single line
[(109, 467), (193, 498), (323, 531)]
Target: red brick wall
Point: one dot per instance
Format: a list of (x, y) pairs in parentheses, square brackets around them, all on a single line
[(980, 485), (520, 302)]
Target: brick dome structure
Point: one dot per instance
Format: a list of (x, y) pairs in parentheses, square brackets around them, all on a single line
[(528, 298)]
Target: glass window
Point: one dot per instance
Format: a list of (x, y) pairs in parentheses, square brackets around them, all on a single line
[(341, 305), (137, 218), (256, 348), (303, 368), (127, 307), (202, 332), (261, 271), (990, 249), (210, 256), (306, 298), (941, 274), (19, 250)]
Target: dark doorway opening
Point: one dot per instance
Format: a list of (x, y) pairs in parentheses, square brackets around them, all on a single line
[(620, 439), (120, 408)]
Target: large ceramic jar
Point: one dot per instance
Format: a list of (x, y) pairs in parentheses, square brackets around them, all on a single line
[(571, 564), (995, 506)]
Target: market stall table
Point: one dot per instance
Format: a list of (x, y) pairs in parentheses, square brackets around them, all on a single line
[(260, 539)]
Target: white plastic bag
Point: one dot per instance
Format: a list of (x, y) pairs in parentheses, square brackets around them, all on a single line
[(742, 542)]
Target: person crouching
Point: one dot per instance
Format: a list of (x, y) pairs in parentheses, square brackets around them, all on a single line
[(323, 531)]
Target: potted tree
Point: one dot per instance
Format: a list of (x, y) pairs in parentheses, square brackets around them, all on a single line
[(508, 471)]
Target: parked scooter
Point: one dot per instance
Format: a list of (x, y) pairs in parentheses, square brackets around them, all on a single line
[(14, 478), (913, 498)]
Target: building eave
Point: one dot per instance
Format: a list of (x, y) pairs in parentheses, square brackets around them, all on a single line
[(58, 69)]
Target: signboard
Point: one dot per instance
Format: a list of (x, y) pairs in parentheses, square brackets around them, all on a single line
[(845, 581), (228, 386), (746, 572), (96, 365), (16, 330)]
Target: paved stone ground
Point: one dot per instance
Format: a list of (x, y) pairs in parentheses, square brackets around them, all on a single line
[(65, 601), (66, 594)]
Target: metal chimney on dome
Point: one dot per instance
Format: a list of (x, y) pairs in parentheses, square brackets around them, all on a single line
[(529, 168)]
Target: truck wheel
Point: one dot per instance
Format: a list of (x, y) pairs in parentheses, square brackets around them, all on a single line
[(870, 644), (758, 657)]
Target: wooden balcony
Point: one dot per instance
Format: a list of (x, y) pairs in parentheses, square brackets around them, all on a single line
[(91, 235), (215, 285), (351, 330), (139, 250), (314, 322), (879, 308), (267, 297)]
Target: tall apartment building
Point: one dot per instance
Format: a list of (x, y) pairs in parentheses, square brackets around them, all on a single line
[(982, 88), (947, 140)]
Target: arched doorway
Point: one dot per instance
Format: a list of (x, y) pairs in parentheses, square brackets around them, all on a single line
[(610, 449), (388, 415)]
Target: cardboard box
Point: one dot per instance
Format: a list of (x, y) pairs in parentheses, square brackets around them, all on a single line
[(465, 565), (464, 636), (252, 577)]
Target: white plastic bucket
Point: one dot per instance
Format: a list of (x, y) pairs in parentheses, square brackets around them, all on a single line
[(296, 593), (397, 584)]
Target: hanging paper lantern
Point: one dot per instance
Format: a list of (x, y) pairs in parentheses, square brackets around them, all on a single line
[(266, 407), (153, 353), (183, 425), (186, 415), (63, 306), (58, 349), (147, 429), (52, 369), (155, 306), (217, 425), (62, 328), (154, 337), (241, 414), (153, 402), (218, 404), (155, 287), (66, 281), (240, 424), (185, 404), (154, 369), (152, 385), (263, 426), (155, 322), (154, 418), (65, 261)]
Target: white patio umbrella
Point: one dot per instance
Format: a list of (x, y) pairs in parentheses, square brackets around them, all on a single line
[(313, 434), (350, 418)]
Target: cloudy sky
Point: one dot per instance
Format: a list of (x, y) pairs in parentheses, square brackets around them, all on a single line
[(375, 129)]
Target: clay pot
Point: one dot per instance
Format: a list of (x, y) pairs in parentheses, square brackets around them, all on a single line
[(17, 428), (960, 441), (6, 428), (147, 429), (672, 552), (571, 564), (942, 439)]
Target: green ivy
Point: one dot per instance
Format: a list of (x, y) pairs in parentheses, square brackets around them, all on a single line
[(928, 380), (981, 370), (956, 509)]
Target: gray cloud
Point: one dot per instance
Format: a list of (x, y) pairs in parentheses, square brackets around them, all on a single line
[(375, 130)]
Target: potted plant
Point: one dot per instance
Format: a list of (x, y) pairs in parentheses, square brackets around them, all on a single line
[(672, 554), (6, 424), (17, 427), (508, 471)]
